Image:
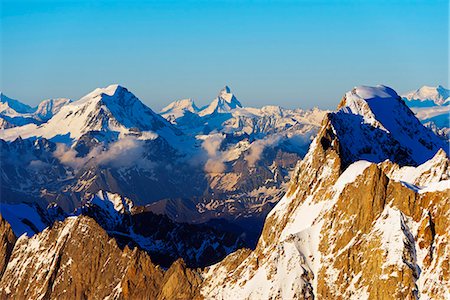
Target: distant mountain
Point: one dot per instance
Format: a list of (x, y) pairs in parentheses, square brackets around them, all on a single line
[(225, 102), (432, 107), (428, 96), (13, 113), (49, 107), (111, 110), (240, 142), (178, 109), (106, 140), (10, 106)]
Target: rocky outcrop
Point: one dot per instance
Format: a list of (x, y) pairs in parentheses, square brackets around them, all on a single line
[(76, 259), (7, 240)]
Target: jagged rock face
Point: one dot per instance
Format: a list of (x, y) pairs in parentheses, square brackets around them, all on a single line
[(130, 225), (378, 240), (349, 228), (7, 240), (76, 259)]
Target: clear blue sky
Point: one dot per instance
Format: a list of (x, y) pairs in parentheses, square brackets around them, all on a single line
[(289, 53)]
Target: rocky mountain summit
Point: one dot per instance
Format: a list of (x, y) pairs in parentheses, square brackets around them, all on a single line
[(354, 224), (365, 216)]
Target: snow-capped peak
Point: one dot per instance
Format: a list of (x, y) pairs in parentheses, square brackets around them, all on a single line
[(226, 90), (357, 101), (224, 103), (180, 105), (13, 107), (428, 96), (374, 124), (110, 90), (229, 97), (113, 108)]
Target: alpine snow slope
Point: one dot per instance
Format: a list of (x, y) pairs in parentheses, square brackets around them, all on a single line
[(366, 216)]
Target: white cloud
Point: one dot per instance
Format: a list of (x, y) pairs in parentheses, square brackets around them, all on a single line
[(121, 153), (257, 148), (215, 163)]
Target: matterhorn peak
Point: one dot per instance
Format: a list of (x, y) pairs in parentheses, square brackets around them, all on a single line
[(226, 95), (224, 103), (226, 90)]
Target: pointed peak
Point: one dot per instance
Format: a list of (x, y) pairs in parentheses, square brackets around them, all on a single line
[(384, 127), (226, 90), (112, 89)]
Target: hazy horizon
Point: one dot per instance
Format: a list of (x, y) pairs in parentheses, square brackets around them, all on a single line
[(200, 104), (288, 53)]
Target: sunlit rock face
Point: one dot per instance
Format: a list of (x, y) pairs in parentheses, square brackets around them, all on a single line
[(359, 218)]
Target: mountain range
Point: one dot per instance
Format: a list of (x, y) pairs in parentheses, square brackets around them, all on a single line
[(349, 204), (193, 165)]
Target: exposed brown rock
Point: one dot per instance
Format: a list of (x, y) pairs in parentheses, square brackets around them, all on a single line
[(7, 241), (76, 259)]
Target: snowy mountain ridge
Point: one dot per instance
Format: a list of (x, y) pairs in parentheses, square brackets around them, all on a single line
[(428, 96), (14, 113), (112, 109), (404, 139)]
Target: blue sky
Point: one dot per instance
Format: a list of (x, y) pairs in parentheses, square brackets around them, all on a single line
[(289, 53)]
